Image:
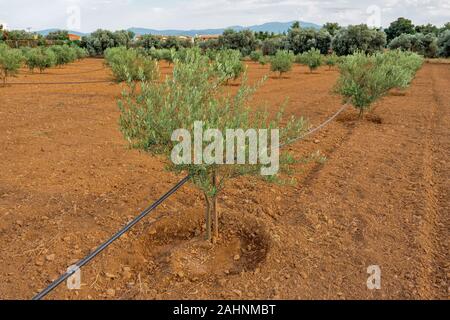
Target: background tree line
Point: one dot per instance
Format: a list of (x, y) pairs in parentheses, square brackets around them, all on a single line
[(427, 40)]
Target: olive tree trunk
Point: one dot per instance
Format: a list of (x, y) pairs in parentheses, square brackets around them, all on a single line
[(211, 213), (208, 217), (215, 213)]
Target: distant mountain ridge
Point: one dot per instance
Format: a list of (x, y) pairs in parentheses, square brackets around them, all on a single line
[(275, 27)]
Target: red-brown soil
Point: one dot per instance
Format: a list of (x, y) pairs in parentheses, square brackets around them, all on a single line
[(68, 181)]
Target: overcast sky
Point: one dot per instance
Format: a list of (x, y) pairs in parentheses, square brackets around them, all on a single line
[(89, 15)]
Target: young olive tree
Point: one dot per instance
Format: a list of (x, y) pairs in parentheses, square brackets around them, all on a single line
[(331, 60), (80, 53), (180, 54), (311, 58), (211, 54), (40, 58), (228, 64), (129, 64), (64, 54), (281, 62), (255, 56), (10, 62), (152, 119), (264, 60), (167, 55), (366, 78)]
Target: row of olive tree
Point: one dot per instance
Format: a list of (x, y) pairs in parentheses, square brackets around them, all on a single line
[(36, 58), (43, 58), (39, 58), (130, 64), (137, 64), (152, 116), (283, 60), (10, 62), (365, 78)]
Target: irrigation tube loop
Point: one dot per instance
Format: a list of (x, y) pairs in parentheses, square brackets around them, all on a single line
[(91, 256), (130, 225), (316, 128)]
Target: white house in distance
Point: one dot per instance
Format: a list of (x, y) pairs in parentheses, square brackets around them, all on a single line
[(207, 37), (197, 37), (164, 38)]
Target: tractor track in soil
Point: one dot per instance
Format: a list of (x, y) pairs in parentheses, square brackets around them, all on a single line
[(434, 229)]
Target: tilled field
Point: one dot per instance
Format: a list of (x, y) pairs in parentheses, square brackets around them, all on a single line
[(68, 181)]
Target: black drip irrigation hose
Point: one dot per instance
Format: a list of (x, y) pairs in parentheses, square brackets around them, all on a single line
[(65, 82), (74, 73), (58, 83), (105, 245), (130, 225)]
